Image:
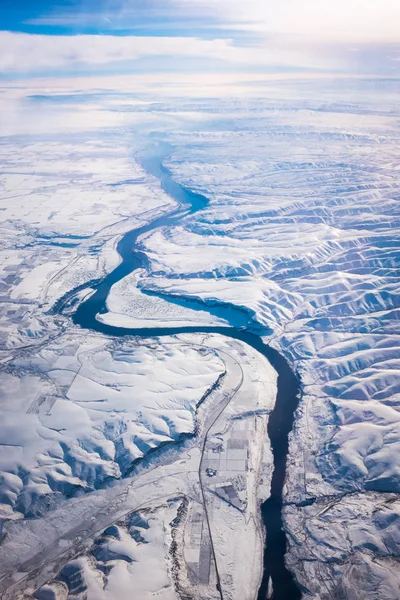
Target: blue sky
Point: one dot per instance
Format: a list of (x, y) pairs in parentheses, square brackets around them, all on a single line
[(351, 36), (119, 17)]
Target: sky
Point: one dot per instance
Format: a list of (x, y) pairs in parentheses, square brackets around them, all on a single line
[(47, 38)]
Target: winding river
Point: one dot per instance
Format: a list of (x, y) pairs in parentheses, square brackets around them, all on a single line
[(281, 418)]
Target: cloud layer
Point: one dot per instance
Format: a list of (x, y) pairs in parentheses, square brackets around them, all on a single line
[(363, 21), (26, 53), (360, 21), (345, 36)]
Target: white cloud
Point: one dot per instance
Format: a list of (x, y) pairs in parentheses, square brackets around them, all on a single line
[(26, 53), (311, 34), (367, 21)]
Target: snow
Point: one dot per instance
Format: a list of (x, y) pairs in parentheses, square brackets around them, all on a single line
[(64, 204), (301, 235), (263, 300), (129, 307), (126, 559), (357, 558), (72, 531), (94, 407), (301, 232)]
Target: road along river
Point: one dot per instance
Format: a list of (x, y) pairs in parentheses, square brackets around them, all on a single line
[(281, 417)]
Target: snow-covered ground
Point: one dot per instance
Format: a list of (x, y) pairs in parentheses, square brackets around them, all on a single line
[(301, 233), (84, 408), (128, 306), (93, 530), (64, 203), (130, 558)]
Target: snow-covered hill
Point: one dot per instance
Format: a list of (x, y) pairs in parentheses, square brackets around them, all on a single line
[(302, 232)]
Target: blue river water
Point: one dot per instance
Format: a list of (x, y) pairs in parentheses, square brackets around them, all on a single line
[(281, 417)]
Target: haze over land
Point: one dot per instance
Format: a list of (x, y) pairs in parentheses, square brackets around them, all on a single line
[(184, 185)]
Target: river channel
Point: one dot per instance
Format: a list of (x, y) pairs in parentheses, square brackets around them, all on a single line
[(281, 417)]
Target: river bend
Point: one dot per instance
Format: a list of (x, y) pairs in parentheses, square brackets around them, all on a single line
[(282, 416)]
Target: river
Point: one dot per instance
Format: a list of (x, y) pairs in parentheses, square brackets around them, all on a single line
[(281, 417)]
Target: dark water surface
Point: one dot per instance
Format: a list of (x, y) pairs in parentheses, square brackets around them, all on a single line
[(281, 418)]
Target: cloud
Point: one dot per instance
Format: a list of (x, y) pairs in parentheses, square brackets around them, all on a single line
[(365, 21), (199, 34), (28, 53)]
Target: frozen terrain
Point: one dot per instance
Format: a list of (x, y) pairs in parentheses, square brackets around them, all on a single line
[(130, 555), (300, 234), (34, 552), (88, 408), (128, 306), (64, 202)]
